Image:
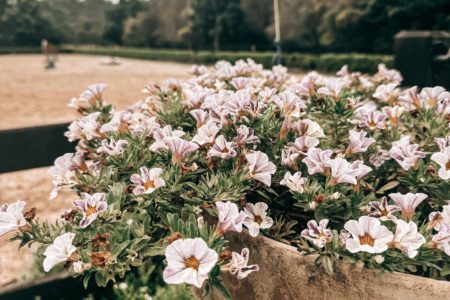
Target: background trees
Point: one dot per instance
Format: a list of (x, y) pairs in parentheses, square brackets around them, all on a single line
[(307, 25)]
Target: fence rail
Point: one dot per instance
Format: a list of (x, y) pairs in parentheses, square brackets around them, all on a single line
[(32, 147)]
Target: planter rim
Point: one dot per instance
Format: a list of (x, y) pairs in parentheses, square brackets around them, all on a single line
[(398, 275), (286, 274)]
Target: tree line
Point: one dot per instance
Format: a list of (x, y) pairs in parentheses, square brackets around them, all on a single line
[(306, 25)]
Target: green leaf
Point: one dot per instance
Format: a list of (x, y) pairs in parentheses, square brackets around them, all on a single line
[(387, 186), (119, 248), (223, 290), (86, 280), (445, 270), (101, 279), (153, 251)]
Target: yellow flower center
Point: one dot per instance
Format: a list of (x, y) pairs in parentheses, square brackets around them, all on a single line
[(258, 219), (367, 240), (149, 184), (384, 212), (408, 214), (447, 166), (192, 262), (372, 124), (123, 127), (90, 210)]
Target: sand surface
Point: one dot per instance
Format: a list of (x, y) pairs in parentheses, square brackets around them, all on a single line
[(30, 96)]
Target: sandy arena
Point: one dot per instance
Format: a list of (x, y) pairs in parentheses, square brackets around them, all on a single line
[(30, 96)]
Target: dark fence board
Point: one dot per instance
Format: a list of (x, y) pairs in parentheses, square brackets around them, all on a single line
[(58, 286), (33, 147)]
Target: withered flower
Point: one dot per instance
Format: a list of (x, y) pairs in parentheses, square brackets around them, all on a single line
[(101, 241), (100, 259), (30, 214)]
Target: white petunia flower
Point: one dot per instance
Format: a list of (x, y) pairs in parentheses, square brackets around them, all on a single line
[(393, 113), (201, 117), (332, 88), (408, 203), (230, 219), (387, 92), (60, 251), (11, 217), (443, 142), (431, 96), (85, 128), (260, 168), (372, 119), (379, 158), (189, 261), (179, 148), (91, 96), (405, 153), (112, 147), (383, 210), (367, 235), (436, 218), (358, 142), (308, 127), (257, 218), (222, 148), (246, 135), (342, 171), (441, 240), (90, 206), (407, 239), (63, 171), (295, 183), (318, 234), (316, 160), (206, 134), (239, 264), (161, 133), (289, 103), (118, 122), (147, 181), (302, 144), (443, 160)]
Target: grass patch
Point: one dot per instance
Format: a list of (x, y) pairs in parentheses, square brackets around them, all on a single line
[(329, 62)]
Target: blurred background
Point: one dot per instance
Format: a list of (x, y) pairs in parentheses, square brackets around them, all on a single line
[(51, 50), (311, 26)]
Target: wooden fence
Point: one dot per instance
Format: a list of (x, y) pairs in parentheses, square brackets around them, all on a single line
[(26, 148)]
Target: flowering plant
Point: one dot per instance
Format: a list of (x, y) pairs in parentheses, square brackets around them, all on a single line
[(344, 167)]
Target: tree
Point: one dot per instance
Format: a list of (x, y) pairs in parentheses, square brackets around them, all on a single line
[(116, 18), (22, 23), (217, 20)]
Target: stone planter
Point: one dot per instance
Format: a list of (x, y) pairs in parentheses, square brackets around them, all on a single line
[(285, 274)]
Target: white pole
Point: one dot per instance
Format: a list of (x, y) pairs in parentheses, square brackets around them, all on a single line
[(276, 60), (276, 12)]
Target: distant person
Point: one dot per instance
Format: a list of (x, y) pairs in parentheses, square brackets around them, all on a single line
[(51, 53)]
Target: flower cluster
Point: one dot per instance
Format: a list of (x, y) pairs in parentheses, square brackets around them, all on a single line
[(358, 167)]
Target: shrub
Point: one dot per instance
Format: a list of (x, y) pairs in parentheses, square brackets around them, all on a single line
[(348, 167), (324, 62)]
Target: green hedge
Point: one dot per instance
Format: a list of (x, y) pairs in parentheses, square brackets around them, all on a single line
[(19, 50), (27, 50), (325, 62), (329, 62)]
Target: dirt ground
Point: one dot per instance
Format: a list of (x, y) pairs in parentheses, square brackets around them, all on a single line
[(30, 96)]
